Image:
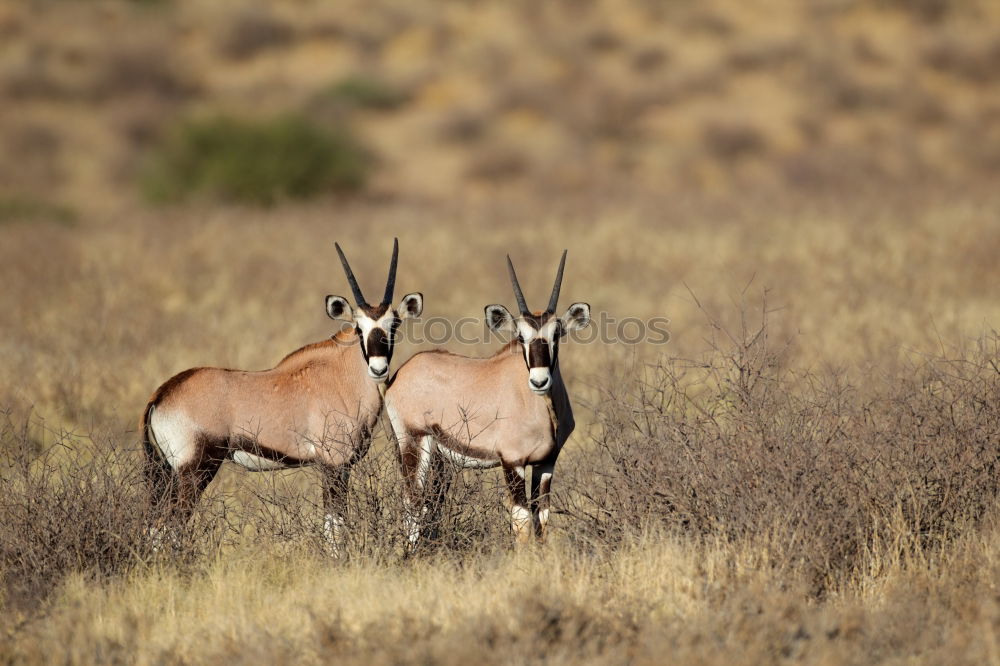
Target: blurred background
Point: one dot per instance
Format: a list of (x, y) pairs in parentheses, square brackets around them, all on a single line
[(173, 173), (103, 104)]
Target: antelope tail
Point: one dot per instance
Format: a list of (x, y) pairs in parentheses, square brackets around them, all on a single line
[(157, 465)]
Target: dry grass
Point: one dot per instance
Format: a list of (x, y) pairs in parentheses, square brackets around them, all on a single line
[(664, 596), (830, 501), (819, 490)]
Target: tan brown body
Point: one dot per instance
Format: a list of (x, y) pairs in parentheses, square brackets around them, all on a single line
[(450, 410), (317, 405), (510, 409), (480, 408)]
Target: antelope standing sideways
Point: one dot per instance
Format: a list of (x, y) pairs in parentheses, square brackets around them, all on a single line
[(510, 409), (318, 405)]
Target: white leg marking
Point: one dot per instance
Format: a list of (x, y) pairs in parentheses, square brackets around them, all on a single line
[(173, 433), (333, 530), (413, 517), (520, 518), (546, 483), (256, 463), (424, 465), (395, 422), (412, 527), (161, 536), (462, 460)]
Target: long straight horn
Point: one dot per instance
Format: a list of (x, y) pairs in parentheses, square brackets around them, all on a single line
[(521, 305), (358, 296), (390, 284), (554, 299)]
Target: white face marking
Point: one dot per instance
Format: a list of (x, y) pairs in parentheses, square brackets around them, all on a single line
[(539, 379), (526, 331), (256, 463), (173, 433), (378, 366)]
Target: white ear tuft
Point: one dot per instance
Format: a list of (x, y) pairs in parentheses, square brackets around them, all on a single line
[(337, 307), (577, 316), (411, 306)]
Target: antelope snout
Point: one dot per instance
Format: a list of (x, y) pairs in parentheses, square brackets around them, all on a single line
[(539, 380), (378, 368)]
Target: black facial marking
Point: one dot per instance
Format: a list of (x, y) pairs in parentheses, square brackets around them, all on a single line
[(364, 343), (378, 343), (538, 353), (374, 311)]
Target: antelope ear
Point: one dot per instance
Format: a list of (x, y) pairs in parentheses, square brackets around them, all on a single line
[(577, 316), (411, 306), (498, 318), (337, 307)]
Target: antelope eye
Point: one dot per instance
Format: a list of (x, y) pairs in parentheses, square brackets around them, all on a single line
[(520, 338)]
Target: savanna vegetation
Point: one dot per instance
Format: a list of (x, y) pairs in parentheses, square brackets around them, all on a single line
[(805, 472)]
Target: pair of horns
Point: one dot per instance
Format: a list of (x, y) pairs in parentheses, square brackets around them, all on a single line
[(390, 284), (553, 300)]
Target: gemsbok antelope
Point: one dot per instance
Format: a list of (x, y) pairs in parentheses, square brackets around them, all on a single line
[(510, 409), (319, 405)]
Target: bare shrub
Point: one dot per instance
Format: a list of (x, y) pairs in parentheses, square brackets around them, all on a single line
[(67, 504), (650, 59), (463, 126), (254, 30), (79, 504), (467, 514), (837, 476), (142, 67), (728, 140), (497, 163), (975, 63)]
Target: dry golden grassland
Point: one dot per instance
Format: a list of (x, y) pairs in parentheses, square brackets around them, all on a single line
[(805, 473), (845, 489)]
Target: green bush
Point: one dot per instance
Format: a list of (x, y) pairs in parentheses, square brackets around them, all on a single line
[(258, 162)]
